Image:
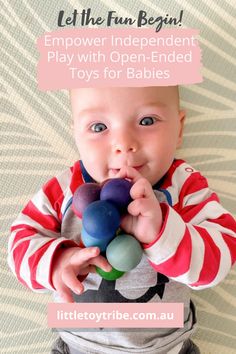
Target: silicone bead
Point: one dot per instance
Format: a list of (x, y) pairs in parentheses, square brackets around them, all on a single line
[(117, 191), (101, 219), (124, 252), (112, 275), (85, 195)]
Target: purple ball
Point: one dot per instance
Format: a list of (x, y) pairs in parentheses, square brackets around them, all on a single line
[(84, 195), (117, 191)]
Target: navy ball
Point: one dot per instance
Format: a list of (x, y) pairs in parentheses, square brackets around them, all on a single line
[(101, 219), (117, 191), (85, 195)]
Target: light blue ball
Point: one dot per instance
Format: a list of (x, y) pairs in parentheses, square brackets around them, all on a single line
[(124, 252), (90, 241)]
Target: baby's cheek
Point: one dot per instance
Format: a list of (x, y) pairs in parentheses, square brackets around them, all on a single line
[(95, 158), (97, 169)]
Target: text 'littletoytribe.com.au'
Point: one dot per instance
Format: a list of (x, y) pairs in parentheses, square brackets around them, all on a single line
[(111, 315), (74, 58)]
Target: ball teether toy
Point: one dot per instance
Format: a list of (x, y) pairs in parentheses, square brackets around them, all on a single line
[(101, 207), (124, 252)]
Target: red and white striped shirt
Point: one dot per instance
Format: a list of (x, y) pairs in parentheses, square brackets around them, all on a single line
[(196, 245)]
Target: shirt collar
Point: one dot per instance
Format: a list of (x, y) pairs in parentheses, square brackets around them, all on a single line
[(86, 176)]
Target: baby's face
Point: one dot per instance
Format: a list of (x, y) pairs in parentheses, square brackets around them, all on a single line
[(116, 127)]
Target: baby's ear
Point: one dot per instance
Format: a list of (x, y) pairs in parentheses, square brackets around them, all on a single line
[(182, 116)]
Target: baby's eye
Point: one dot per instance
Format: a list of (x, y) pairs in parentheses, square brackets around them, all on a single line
[(98, 127), (147, 121)]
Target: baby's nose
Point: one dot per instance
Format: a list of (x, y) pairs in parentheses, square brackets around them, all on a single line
[(121, 148), (125, 144)]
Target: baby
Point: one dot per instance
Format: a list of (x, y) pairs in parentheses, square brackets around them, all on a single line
[(188, 238)]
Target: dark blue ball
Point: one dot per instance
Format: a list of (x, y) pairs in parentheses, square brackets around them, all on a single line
[(117, 191), (101, 219)]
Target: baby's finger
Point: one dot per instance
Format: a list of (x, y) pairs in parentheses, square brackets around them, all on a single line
[(142, 189), (64, 292), (84, 255), (101, 262), (92, 269), (89, 269), (141, 206), (89, 255), (71, 281), (129, 172)]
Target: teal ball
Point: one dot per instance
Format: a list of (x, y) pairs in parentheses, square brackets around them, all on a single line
[(124, 253)]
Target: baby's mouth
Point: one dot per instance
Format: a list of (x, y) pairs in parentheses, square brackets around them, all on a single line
[(117, 170), (138, 167)]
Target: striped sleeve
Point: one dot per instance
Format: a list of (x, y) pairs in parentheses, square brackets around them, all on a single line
[(35, 235), (197, 242)]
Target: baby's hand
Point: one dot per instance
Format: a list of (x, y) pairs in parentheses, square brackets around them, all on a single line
[(72, 262), (144, 220)]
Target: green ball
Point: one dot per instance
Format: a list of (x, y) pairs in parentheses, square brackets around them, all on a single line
[(124, 253), (112, 275)]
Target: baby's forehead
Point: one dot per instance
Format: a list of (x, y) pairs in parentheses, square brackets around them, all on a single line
[(163, 95)]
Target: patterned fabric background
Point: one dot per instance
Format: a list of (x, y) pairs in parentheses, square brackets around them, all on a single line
[(36, 143)]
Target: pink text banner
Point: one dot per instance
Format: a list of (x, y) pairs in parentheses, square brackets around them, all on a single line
[(71, 58), (115, 315)]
